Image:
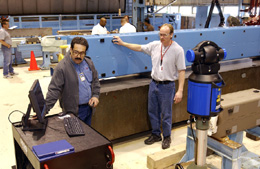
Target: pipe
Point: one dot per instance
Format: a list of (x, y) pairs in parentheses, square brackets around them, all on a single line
[(173, 1), (201, 147)]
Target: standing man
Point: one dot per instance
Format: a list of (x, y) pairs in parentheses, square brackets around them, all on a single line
[(6, 42), (126, 17), (75, 82), (126, 27), (168, 65), (100, 27)]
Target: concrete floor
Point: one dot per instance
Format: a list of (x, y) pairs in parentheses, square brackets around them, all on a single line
[(130, 154)]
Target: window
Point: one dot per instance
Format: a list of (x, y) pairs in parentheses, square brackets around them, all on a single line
[(185, 10), (232, 10)]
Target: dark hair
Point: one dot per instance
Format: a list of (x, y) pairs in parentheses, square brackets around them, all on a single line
[(147, 20), (4, 21), (79, 40)]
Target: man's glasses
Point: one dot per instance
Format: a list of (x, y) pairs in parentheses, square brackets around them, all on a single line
[(75, 52), (163, 35)]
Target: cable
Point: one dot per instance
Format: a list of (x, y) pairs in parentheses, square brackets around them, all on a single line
[(192, 129), (178, 166), (18, 125), (55, 129)]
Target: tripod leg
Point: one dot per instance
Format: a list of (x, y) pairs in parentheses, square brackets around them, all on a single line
[(210, 14), (222, 19)]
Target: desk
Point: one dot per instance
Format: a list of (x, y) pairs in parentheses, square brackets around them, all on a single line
[(91, 150)]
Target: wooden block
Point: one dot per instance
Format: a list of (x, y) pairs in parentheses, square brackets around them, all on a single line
[(237, 107), (166, 158), (253, 137)]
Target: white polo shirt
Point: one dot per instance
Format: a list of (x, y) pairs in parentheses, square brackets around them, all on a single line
[(98, 29), (173, 60), (127, 28)]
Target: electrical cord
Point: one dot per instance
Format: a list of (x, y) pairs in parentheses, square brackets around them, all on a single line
[(16, 124), (192, 129), (56, 129), (178, 166), (19, 123)]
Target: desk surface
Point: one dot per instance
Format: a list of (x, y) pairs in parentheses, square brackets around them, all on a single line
[(55, 131)]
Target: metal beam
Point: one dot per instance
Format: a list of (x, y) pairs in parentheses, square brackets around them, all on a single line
[(114, 60)]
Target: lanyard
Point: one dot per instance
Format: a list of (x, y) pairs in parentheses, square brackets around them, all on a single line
[(164, 52)]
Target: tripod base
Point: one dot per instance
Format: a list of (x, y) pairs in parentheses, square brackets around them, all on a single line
[(194, 166)]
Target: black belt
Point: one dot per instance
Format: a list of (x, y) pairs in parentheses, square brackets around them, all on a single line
[(83, 105), (162, 82)]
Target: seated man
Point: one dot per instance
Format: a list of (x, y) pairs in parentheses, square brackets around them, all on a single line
[(100, 27), (148, 25), (233, 21), (126, 27)]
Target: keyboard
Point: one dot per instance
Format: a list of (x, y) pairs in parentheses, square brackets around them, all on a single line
[(73, 126)]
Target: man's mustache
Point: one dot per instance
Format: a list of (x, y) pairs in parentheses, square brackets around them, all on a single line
[(78, 58)]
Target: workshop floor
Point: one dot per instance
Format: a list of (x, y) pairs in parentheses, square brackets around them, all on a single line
[(130, 153)]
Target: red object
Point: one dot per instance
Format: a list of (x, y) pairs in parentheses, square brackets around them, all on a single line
[(110, 163), (33, 63), (252, 10), (46, 166)]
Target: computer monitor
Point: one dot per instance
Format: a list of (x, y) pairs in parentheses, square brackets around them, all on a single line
[(37, 102)]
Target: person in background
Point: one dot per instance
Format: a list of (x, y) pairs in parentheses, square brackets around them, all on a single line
[(233, 21), (126, 27), (148, 25), (168, 65), (100, 28), (6, 42), (75, 82), (126, 17)]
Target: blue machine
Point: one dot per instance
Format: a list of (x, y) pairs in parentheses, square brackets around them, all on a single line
[(112, 60), (203, 98), (204, 84), (204, 93)]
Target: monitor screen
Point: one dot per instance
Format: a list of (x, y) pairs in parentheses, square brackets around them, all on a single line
[(37, 103), (37, 100)]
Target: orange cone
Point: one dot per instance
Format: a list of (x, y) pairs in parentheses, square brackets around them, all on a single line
[(33, 63)]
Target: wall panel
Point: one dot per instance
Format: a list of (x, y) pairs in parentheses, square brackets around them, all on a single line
[(29, 7), (50, 7)]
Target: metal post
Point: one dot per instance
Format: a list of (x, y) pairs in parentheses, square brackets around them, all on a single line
[(201, 147), (60, 22), (40, 21), (138, 14), (202, 126), (20, 22), (78, 22)]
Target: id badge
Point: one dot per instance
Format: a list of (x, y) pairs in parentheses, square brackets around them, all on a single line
[(82, 77), (160, 68)]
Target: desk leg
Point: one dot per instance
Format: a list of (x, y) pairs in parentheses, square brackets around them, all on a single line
[(22, 161)]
